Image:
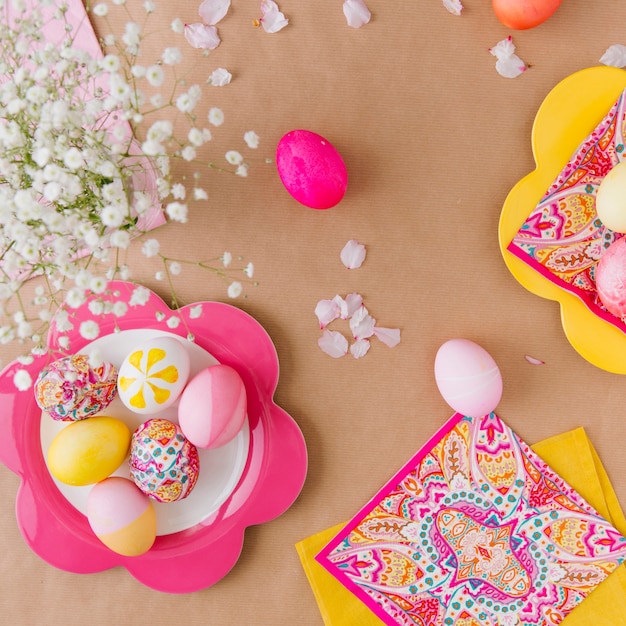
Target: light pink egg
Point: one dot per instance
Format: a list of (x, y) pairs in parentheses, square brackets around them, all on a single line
[(468, 378), (311, 169), (213, 406), (611, 278)]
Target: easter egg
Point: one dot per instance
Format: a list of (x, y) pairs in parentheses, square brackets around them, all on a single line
[(70, 389), (524, 14), (468, 378), (611, 199), (121, 516), (610, 278), (212, 407), (153, 375), (87, 451), (163, 463), (311, 169)]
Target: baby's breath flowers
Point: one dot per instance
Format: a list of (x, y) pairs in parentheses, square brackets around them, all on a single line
[(84, 169)]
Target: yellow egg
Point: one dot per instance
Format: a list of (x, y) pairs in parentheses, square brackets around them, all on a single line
[(88, 451), (611, 199)]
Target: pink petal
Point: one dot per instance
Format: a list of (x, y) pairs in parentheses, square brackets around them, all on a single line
[(272, 19), (362, 324), (353, 254), (212, 11), (511, 67), (326, 311), (356, 13), (533, 360), (353, 302), (359, 348), (202, 36), (333, 343), (389, 336), (343, 307)]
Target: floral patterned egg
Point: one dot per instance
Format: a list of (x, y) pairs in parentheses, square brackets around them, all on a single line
[(153, 375), (70, 389), (163, 463)]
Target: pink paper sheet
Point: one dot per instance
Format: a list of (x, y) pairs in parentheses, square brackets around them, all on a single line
[(474, 529)]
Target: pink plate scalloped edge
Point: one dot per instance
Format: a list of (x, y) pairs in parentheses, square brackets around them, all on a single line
[(196, 558)]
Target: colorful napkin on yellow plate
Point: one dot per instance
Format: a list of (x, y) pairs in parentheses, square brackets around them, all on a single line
[(573, 457)]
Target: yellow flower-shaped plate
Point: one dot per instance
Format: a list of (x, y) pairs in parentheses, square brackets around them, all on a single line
[(565, 118)]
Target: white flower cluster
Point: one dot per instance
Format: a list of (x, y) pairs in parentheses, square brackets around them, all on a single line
[(77, 184)]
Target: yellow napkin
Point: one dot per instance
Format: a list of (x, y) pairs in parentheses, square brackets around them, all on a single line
[(605, 605)]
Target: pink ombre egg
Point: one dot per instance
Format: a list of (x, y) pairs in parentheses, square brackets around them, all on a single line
[(468, 378), (212, 407), (611, 278), (121, 516), (311, 169)]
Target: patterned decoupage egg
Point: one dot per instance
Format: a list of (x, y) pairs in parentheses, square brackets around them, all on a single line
[(163, 463), (153, 375), (70, 389)]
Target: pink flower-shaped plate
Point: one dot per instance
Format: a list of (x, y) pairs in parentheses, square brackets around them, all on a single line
[(199, 556)]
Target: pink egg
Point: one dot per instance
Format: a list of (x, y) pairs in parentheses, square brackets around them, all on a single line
[(311, 169), (121, 516), (611, 278), (468, 378), (213, 406)]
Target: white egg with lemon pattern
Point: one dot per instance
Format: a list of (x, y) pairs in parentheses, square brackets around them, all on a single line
[(153, 375)]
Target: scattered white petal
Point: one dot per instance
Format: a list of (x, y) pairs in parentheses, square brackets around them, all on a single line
[(326, 311), (343, 307), (615, 56), (195, 311), (533, 360), (173, 322), (359, 348), (212, 11), (251, 139), (508, 64), (389, 336), (22, 380), (353, 301), (356, 12), (220, 77), (353, 254), (234, 289), (89, 330), (272, 19), (454, 6), (333, 343), (362, 324), (202, 36)]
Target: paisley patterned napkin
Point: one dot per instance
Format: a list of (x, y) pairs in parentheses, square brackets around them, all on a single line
[(562, 238), (476, 530)]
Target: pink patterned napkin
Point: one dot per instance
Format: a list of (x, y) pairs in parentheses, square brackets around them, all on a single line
[(562, 238), (475, 529)]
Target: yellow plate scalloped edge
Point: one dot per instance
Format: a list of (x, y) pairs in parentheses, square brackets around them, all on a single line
[(567, 115)]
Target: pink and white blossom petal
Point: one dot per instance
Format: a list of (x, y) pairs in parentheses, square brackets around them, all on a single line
[(353, 301), (202, 36), (508, 64), (326, 311), (343, 307), (333, 343), (615, 56), (356, 12), (272, 19), (359, 348), (212, 11), (389, 336), (533, 361), (454, 6), (353, 254), (362, 324)]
